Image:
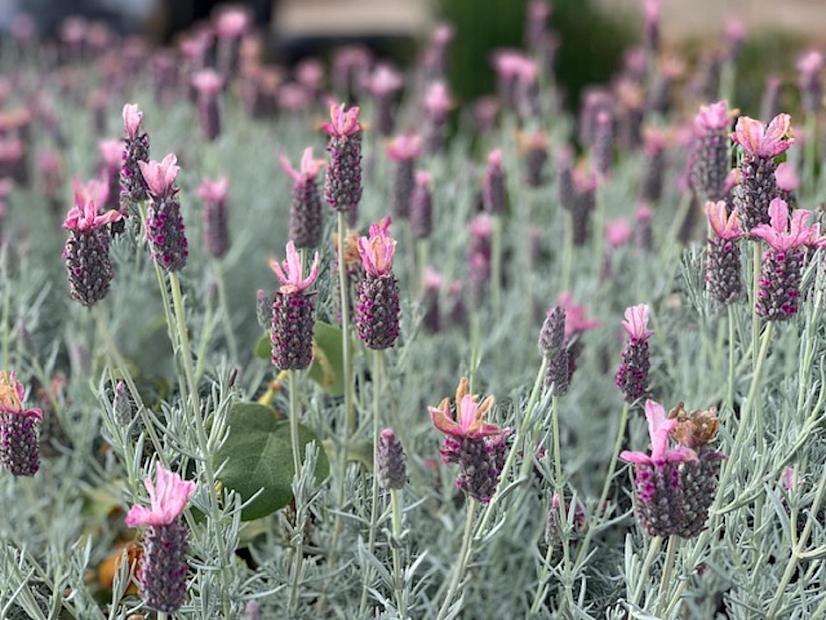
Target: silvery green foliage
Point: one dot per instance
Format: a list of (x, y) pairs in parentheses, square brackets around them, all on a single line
[(764, 552)]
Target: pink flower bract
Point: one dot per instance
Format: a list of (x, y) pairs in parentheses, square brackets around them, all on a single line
[(160, 176), (659, 428), (289, 272), (132, 117), (168, 497), (724, 226), (89, 198), (760, 140), (636, 322), (377, 249)]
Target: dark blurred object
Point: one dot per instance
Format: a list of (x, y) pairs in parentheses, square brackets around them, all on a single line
[(591, 42)]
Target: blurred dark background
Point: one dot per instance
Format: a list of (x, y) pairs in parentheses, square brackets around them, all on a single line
[(592, 34)]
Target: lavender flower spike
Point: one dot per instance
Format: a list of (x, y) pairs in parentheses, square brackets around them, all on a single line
[(810, 66), (164, 224), (723, 282), (208, 83), (421, 206), (377, 310), (493, 184), (476, 445), (216, 224), (136, 150), (658, 492), (306, 225), (780, 272), (760, 144), (19, 429), (632, 376), (293, 313), (342, 185), (391, 468), (86, 251), (403, 150), (710, 159), (163, 569)]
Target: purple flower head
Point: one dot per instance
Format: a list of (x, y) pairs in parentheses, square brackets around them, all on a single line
[(168, 497), (786, 177), (12, 394), (343, 123), (160, 176), (618, 232), (437, 100), (208, 82), (636, 323), (659, 428), (111, 154), (232, 22), (810, 64), (712, 117), (654, 141), (132, 117), (213, 191), (377, 249), (384, 81), (576, 321), (652, 10), (469, 421), (308, 168), (481, 227), (725, 226), (88, 199), (779, 234), (405, 147), (289, 272), (759, 140)]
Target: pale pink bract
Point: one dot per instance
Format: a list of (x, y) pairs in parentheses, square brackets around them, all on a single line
[(760, 140), (160, 176), (289, 272), (636, 322), (659, 428), (377, 249), (168, 497), (725, 226)]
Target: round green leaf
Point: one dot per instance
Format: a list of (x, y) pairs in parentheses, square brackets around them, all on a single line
[(258, 455), (328, 359), (263, 348)]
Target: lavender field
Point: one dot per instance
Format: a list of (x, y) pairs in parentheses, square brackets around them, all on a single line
[(327, 340)]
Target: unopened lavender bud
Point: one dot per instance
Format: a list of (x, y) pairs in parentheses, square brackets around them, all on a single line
[(263, 308), (164, 223), (585, 187), (421, 207), (493, 184), (342, 184), (377, 311), (552, 334), (403, 151), (216, 220), (86, 252), (122, 405), (390, 462), (632, 376), (456, 309), (19, 429), (293, 313)]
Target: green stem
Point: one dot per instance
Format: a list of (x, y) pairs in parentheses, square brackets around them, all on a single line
[(731, 347), (378, 367), (797, 550), (197, 414), (398, 578), (475, 345), (496, 267), (755, 284), (811, 150), (521, 432), (6, 307), (461, 560), (229, 333), (612, 466), (349, 412), (559, 489), (665, 580), (568, 253), (294, 421), (653, 548)]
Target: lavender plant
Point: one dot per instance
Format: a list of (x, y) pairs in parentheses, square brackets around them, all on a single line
[(294, 462)]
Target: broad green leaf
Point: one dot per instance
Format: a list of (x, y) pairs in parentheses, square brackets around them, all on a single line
[(358, 452), (263, 348), (258, 455), (328, 363)]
